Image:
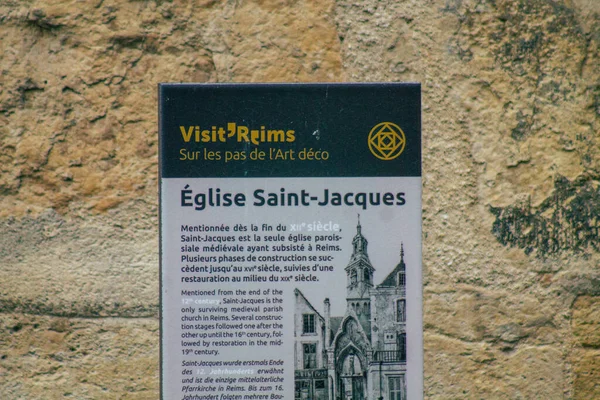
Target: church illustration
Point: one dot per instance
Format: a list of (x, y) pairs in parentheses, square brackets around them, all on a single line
[(362, 354)]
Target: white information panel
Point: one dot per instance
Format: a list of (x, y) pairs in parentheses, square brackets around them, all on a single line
[(288, 287)]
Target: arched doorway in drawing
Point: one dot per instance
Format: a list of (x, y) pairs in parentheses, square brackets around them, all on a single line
[(351, 364), (353, 377)]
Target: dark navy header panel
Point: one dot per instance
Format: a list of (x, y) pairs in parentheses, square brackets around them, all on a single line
[(290, 130)]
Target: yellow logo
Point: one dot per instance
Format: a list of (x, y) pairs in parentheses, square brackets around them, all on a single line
[(386, 141)]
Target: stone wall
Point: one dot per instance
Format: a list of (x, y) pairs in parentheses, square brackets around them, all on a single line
[(511, 176)]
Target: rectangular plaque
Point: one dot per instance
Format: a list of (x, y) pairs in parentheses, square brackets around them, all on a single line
[(290, 241)]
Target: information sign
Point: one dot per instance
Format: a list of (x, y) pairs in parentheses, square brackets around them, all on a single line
[(290, 241)]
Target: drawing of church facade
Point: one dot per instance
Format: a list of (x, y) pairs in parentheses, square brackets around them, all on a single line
[(362, 354)]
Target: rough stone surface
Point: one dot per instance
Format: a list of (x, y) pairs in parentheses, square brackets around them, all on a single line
[(586, 321), (586, 357), (93, 266), (511, 176), (587, 374), (463, 370), (45, 357)]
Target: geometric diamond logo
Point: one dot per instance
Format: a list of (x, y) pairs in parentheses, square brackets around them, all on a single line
[(386, 141)]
